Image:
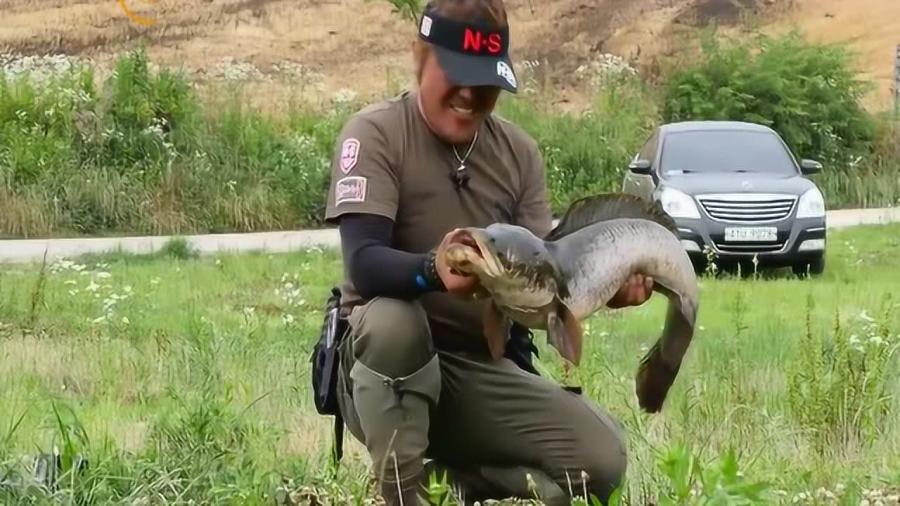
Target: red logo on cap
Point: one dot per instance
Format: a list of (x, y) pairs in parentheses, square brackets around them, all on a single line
[(473, 41)]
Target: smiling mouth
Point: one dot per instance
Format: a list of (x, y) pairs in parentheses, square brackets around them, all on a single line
[(465, 111)]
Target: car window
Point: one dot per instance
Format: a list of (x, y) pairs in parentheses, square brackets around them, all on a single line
[(725, 151)]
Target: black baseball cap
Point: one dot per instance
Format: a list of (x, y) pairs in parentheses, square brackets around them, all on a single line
[(470, 53)]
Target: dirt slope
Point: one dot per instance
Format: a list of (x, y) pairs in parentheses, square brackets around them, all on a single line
[(359, 45), (871, 27)]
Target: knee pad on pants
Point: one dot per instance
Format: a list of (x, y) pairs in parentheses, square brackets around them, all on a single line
[(393, 413), (391, 336)]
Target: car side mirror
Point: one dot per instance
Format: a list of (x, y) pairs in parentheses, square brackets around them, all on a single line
[(810, 167), (640, 166)]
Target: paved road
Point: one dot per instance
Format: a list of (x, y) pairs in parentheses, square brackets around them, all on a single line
[(26, 250)]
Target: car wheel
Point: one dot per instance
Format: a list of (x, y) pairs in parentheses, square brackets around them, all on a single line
[(814, 267)]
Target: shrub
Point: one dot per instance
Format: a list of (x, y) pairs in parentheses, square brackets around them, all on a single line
[(807, 92), (586, 153)]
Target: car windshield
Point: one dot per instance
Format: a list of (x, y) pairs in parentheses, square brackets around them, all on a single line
[(725, 151)]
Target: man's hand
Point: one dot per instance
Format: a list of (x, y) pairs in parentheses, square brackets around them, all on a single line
[(636, 290), (455, 282)]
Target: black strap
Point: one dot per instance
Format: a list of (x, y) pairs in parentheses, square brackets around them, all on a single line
[(521, 347), (338, 440)]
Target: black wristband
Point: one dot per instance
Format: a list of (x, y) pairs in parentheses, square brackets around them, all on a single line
[(429, 279)]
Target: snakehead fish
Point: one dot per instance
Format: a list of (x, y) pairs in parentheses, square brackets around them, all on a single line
[(553, 283)]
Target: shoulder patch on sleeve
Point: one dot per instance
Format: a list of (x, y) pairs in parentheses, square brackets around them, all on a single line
[(349, 154), (350, 189)]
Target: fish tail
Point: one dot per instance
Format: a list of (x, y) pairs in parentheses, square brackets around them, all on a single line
[(660, 365)]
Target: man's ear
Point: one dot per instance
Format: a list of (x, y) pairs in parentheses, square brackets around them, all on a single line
[(419, 55)]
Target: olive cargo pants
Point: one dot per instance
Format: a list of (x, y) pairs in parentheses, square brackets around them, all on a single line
[(486, 423)]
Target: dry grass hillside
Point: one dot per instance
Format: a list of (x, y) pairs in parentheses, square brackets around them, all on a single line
[(360, 45)]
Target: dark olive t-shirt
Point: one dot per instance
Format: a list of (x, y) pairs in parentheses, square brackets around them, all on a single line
[(388, 162)]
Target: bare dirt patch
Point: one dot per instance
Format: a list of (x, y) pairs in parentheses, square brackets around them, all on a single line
[(360, 45)]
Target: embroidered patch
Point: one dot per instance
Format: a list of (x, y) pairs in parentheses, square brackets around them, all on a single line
[(504, 71), (426, 26), (349, 154), (350, 189)]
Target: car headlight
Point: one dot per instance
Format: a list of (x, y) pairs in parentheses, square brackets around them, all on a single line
[(811, 205), (678, 204)]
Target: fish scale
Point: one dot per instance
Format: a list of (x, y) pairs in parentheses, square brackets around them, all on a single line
[(617, 249)]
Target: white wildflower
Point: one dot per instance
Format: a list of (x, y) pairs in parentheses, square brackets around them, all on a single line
[(125, 320), (344, 96), (93, 287), (103, 275)]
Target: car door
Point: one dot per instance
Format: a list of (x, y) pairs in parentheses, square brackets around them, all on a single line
[(642, 185)]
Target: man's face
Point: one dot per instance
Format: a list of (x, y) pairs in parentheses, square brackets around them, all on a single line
[(454, 112)]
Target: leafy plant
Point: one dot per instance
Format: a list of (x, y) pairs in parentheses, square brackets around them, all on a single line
[(807, 92), (720, 482)]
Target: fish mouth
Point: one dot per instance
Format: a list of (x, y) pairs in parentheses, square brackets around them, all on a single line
[(470, 253)]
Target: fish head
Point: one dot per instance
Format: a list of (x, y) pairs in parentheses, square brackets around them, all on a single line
[(511, 263)]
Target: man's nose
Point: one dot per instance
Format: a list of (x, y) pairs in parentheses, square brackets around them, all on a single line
[(466, 93)]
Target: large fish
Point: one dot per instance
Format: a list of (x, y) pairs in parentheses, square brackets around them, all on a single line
[(555, 282)]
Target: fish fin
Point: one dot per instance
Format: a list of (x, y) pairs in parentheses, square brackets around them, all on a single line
[(608, 206), (496, 329), (660, 365), (565, 333)]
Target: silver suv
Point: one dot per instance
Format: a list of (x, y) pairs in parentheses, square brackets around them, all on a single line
[(736, 191)]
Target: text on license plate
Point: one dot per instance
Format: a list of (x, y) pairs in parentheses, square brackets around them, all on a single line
[(751, 234)]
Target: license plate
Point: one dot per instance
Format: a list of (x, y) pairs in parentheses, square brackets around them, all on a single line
[(751, 234)]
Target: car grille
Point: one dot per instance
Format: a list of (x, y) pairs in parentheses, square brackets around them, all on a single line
[(756, 247), (748, 208)]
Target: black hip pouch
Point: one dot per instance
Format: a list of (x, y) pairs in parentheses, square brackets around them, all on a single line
[(326, 357)]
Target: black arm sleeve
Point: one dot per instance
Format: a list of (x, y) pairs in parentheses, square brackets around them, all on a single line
[(375, 268)]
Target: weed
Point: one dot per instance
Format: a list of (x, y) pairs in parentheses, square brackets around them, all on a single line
[(180, 248), (838, 387)]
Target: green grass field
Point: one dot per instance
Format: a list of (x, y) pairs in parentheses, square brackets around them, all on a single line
[(180, 378)]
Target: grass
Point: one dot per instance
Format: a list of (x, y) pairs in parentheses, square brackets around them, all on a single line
[(144, 152), (181, 378)]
